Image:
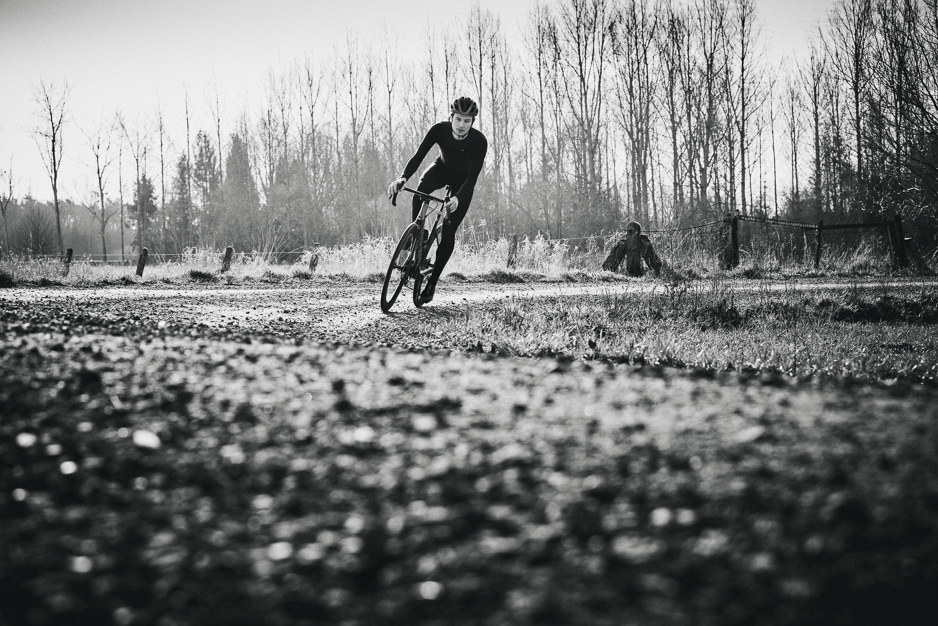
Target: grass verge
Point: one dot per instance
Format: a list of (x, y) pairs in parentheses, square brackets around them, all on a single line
[(839, 334)]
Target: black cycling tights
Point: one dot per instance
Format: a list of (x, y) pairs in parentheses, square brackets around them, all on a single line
[(434, 178)]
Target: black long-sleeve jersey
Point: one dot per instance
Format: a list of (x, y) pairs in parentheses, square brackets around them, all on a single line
[(462, 158)]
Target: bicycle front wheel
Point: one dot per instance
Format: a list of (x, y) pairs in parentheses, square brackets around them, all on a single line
[(402, 265), (425, 264)]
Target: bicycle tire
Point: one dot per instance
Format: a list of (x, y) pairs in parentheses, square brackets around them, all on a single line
[(424, 265), (399, 269)]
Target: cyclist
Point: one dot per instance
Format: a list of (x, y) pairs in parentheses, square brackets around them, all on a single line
[(462, 152)]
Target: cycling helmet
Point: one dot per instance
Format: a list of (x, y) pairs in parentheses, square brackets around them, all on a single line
[(464, 106)]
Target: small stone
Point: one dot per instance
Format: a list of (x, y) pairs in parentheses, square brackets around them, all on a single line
[(364, 435), (355, 524), (762, 562), (711, 543), (686, 517), (81, 564), (279, 551), (429, 590), (661, 516), (311, 553), (636, 549), (146, 439), (424, 423), (749, 435)]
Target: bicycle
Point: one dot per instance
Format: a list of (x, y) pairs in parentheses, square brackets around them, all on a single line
[(411, 258)]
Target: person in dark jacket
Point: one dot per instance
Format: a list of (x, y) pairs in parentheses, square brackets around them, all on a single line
[(634, 249)]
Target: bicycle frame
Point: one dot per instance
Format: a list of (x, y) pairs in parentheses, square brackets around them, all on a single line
[(427, 209)]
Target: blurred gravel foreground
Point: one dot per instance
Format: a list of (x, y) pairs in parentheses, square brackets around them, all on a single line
[(148, 478)]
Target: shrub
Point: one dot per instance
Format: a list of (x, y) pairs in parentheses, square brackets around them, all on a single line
[(201, 276)]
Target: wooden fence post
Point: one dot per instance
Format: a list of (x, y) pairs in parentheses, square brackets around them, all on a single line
[(67, 262), (818, 244), (226, 262), (902, 257), (142, 262), (734, 239), (730, 230), (512, 250)]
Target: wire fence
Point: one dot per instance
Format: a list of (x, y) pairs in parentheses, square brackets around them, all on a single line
[(714, 244)]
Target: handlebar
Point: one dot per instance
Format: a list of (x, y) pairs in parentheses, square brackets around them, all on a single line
[(425, 196)]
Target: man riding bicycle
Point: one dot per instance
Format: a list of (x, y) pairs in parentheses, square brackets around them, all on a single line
[(462, 152)]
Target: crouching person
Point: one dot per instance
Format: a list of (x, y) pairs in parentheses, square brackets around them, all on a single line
[(635, 249)]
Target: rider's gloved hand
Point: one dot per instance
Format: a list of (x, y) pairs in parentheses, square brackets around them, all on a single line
[(451, 205), (396, 186)]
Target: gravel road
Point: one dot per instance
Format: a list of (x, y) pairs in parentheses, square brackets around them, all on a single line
[(286, 456)]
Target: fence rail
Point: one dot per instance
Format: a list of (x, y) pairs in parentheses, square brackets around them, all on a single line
[(898, 242), (726, 229)]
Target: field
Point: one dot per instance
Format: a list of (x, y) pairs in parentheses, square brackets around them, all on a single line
[(537, 446)]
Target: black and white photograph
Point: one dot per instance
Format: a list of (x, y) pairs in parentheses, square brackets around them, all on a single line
[(495, 312)]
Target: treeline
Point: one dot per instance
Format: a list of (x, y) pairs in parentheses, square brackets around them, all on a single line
[(596, 111)]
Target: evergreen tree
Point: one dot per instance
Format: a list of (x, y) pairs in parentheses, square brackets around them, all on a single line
[(238, 219), (142, 211), (208, 188), (181, 231)]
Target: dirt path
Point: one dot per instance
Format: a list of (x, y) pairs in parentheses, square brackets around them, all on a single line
[(235, 455), (348, 311)]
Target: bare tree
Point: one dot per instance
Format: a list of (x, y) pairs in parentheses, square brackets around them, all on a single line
[(479, 31), (188, 150), (6, 197), (922, 68), (892, 83), (312, 154), (161, 135), (488, 54), (390, 78), (352, 67), (52, 100), (705, 89), (813, 77), (749, 94), (792, 114), (636, 91), (508, 124), (850, 39), (100, 142), (137, 139), (215, 106), (540, 74), (670, 47), (120, 188), (773, 99), (584, 44)]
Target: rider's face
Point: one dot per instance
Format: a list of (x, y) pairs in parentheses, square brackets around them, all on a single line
[(461, 124)]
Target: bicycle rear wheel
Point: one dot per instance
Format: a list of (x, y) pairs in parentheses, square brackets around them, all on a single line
[(402, 265), (425, 265)]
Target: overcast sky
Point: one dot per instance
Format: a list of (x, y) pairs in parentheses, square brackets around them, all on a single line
[(134, 56)]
